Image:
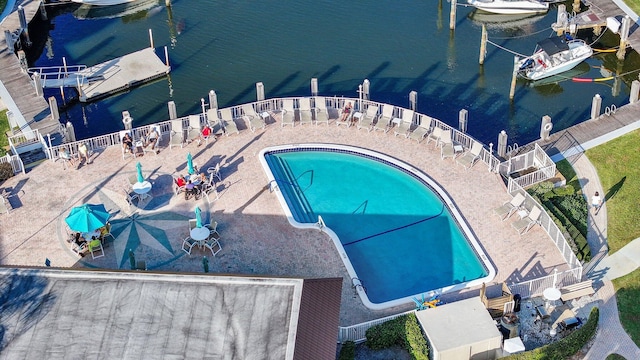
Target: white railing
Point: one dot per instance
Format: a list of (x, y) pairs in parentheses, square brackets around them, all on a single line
[(358, 333), (56, 76), (547, 223), (535, 287), (536, 158), (15, 161)]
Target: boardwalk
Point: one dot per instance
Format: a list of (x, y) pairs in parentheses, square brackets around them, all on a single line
[(608, 8)]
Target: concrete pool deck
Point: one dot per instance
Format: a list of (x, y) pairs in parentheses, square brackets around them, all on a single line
[(256, 237)]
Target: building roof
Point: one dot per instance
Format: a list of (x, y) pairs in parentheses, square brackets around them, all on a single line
[(458, 324), (117, 315)]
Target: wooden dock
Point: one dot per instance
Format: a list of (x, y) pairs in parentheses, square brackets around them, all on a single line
[(607, 8), (121, 74), (30, 110)]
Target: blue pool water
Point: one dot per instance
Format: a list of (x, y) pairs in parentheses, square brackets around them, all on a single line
[(399, 235)]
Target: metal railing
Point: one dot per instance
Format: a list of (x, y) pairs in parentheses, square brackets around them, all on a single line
[(537, 286), (56, 76), (15, 161), (358, 333)]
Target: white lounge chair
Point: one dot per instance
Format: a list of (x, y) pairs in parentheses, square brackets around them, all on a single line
[(384, 120), (469, 158), (523, 225), (124, 153), (419, 133), (193, 132), (288, 113), (509, 207), (366, 120), (446, 145), (154, 146), (435, 135), (253, 119), (177, 134), (215, 122), (405, 123), (228, 123), (320, 111), (345, 120), (306, 117)]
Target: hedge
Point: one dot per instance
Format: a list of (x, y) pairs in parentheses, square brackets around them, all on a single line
[(403, 331)]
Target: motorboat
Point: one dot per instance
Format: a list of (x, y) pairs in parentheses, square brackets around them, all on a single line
[(511, 7), (554, 56), (504, 21), (134, 9), (102, 2)]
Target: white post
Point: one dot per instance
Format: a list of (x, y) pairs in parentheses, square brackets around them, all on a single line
[(173, 113), (213, 100), (596, 104), (151, 38), (413, 100), (635, 89), (365, 89), (314, 86), (202, 104), (502, 143), (259, 91), (463, 117)]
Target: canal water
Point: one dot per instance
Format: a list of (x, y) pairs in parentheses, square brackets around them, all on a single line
[(399, 46)]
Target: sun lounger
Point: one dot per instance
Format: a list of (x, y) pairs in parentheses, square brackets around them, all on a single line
[(405, 123), (177, 134), (523, 225), (288, 113), (349, 116), (215, 122), (366, 120), (419, 133), (447, 148), (253, 119), (435, 135), (305, 111), (469, 158), (510, 207), (384, 120), (193, 132), (228, 123), (320, 111)]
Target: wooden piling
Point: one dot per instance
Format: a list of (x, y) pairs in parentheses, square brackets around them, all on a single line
[(635, 89), (545, 127), (562, 19), (596, 104), (259, 91), (463, 118), (167, 3), (624, 36), (173, 113), (151, 38), (314, 86), (413, 100), (483, 44), (213, 100), (452, 15), (576, 6), (512, 90)]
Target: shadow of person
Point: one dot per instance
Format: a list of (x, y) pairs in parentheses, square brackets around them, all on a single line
[(614, 189)]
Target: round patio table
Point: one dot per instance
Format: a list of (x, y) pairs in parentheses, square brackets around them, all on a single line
[(142, 188), (551, 295), (199, 234)]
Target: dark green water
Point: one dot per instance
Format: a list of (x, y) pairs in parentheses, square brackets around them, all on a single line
[(399, 46)]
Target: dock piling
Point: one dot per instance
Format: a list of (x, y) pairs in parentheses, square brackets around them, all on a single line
[(43, 11), (624, 36), (213, 100), (413, 100), (24, 65), (127, 120), (8, 38), (314, 86), (53, 107), (596, 104), (576, 6), (71, 132), (151, 39), (562, 19), (633, 94), (365, 88), (502, 144), (24, 25), (483, 44), (173, 113), (259, 91), (545, 127), (166, 56), (463, 118), (512, 90), (37, 83), (452, 15)]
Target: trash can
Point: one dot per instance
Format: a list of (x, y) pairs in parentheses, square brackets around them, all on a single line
[(516, 302)]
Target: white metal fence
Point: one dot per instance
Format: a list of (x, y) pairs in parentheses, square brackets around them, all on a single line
[(537, 158), (357, 333), (15, 161)]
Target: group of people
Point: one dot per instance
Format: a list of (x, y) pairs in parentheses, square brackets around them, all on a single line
[(192, 188), (80, 245), (83, 153)]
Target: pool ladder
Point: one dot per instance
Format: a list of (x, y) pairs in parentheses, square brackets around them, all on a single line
[(357, 283)]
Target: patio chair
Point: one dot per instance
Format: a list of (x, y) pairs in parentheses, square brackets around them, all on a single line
[(469, 158), (405, 123), (213, 244), (215, 122), (5, 206), (252, 118), (210, 189), (509, 207), (347, 119), (384, 120), (187, 244), (215, 171), (193, 132), (288, 113), (320, 111), (106, 231), (154, 146), (96, 249), (366, 121), (125, 153), (177, 134), (422, 130), (304, 110), (435, 135), (192, 224), (523, 225), (228, 123), (447, 148)]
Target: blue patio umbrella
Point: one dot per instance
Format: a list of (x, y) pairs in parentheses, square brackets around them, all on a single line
[(87, 217), (139, 168), (198, 217), (190, 168)]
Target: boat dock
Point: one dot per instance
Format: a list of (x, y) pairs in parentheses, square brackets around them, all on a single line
[(121, 74)]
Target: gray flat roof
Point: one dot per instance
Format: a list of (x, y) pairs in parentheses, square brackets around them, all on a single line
[(52, 313)]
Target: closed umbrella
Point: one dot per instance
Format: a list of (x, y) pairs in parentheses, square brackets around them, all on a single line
[(139, 168), (198, 217), (87, 217), (132, 259), (190, 168)]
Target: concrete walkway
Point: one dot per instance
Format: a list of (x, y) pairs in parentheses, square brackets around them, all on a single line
[(611, 337)]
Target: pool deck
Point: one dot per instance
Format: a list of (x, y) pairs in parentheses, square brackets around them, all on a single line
[(256, 237)]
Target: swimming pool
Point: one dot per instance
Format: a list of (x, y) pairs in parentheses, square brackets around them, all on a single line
[(397, 231)]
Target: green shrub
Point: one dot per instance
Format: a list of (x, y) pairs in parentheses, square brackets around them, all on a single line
[(348, 351), (615, 357), (6, 171), (403, 331), (565, 348)]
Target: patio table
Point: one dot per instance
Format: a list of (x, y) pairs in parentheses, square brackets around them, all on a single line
[(199, 234), (142, 189)]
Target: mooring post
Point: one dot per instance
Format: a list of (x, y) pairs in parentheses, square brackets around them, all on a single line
[(635, 89), (151, 38), (596, 104), (8, 38), (167, 3), (203, 106), (64, 66), (259, 91), (71, 132), (483, 44), (512, 90), (37, 83), (545, 127), (365, 88), (166, 56), (452, 15), (53, 108), (127, 120), (43, 11), (413, 100), (314, 86), (624, 36), (213, 100), (502, 143), (562, 19), (463, 117), (576, 6), (173, 113), (24, 25)]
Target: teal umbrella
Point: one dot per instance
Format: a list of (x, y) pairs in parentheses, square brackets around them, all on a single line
[(132, 259), (198, 217), (87, 217), (139, 168), (190, 168)]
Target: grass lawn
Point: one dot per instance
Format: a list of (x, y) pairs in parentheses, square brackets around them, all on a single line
[(3, 3), (633, 4), (4, 127), (616, 162)]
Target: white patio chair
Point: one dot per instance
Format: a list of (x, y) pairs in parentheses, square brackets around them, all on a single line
[(366, 120), (228, 122), (320, 111), (288, 113), (177, 134), (215, 171), (419, 133), (253, 119), (384, 120), (215, 122), (187, 244), (193, 132), (405, 123), (306, 117)]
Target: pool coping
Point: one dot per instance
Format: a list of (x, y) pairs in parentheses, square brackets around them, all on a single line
[(437, 188)]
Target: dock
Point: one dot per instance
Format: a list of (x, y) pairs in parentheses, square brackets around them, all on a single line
[(121, 74)]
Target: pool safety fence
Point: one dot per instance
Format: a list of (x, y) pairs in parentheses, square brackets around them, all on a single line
[(358, 333)]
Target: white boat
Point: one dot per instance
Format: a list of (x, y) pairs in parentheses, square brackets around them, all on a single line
[(102, 2), (554, 56), (511, 6), (133, 9)]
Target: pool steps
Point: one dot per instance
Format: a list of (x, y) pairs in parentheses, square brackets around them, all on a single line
[(300, 208)]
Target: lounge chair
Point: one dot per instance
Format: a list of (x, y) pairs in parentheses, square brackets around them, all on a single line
[(405, 123), (252, 118), (177, 135), (228, 123), (447, 148), (469, 158), (366, 120), (320, 111), (305, 111), (509, 207), (193, 132), (5, 205), (421, 131), (523, 225), (124, 152), (435, 135), (384, 120), (154, 146), (347, 119), (288, 113), (215, 122)]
